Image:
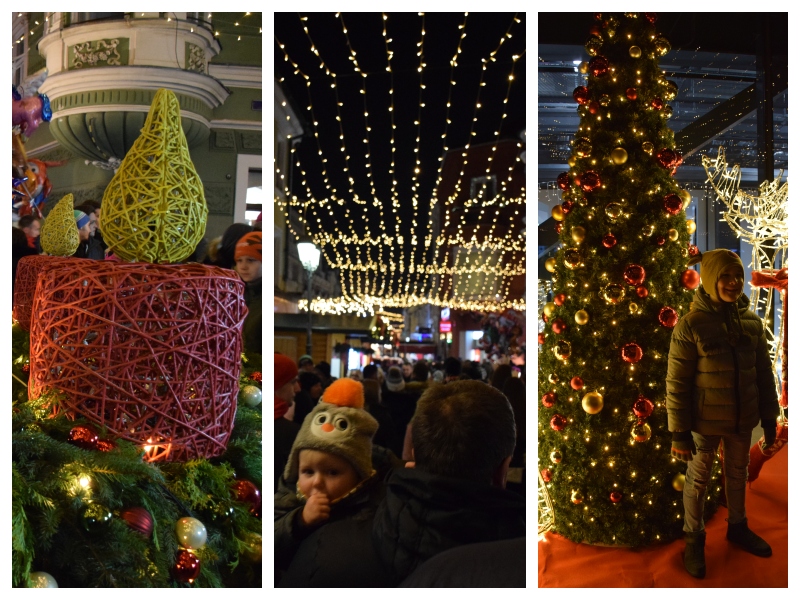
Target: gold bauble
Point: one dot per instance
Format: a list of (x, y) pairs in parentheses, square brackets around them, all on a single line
[(619, 156), (641, 432), (648, 147), (635, 51), (633, 307), (605, 100), (592, 403), (549, 308), (578, 234), (691, 226), (552, 378), (679, 481), (572, 161), (562, 349), (581, 317), (583, 147), (648, 230), (583, 67), (576, 497), (686, 197), (550, 264), (557, 213), (572, 259), (613, 293), (672, 234), (613, 211), (556, 456)]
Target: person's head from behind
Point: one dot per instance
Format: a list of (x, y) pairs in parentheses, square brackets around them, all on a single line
[(332, 452), (311, 384), (227, 246), (285, 378), (370, 371), (452, 368), (18, 238), (464, 430), (501, 374), (420, 371), (32, 226), (323, 369), (248, 257)]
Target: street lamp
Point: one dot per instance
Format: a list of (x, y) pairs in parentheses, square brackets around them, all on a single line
[(309, 256)]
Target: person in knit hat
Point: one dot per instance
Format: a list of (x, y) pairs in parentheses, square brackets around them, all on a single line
[(336, 489), (285, 430), (248, 265), (720, 385), (88, 246)]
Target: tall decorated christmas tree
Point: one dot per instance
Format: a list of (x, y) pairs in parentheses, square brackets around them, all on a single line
[(620, 284)]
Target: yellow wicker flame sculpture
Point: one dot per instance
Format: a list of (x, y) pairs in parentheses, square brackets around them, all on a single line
[(154, 209), (59, 236)]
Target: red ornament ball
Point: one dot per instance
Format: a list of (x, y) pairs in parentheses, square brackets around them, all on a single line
[(559, 226), (693, 250), (256, 376), (690, 279), (651, 17), (615, 497), (105, 445), (609, 240), (26, 367), (545, 318), (673, 204), (559, 326), (83, 436), (139, 520), (631, 352), (643, 407), (558, 422), (581, 94), (559, 299), (666, 158), (598, 66), (642, 291), (595, 30), (246, 491), (659, 240), (668, 317), (657, 103), (540, 338), (634, 274), (549, 399), (576, 383), (566, 206), (590, 181), (632, 93), (563, 181), (594, 107), (547, 475), (187, 567)]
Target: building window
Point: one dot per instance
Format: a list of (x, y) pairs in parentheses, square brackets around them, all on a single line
[(483, 187)]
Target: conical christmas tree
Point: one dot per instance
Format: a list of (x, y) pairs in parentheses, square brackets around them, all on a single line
[(154, 208), (620, 284)]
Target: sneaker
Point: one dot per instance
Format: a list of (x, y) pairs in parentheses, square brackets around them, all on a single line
[(740, 534), (694, 558)]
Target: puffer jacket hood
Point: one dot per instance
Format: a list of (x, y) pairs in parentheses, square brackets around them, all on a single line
[(425, 514)]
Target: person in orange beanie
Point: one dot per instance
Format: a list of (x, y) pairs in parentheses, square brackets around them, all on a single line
[(286, 387), (248, 265)]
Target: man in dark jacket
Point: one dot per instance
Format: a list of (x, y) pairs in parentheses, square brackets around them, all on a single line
[(285, 430), (720, 385), (88, 246), (463, 438)]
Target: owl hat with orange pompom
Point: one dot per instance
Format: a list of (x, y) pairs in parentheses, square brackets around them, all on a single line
[(338, 425)]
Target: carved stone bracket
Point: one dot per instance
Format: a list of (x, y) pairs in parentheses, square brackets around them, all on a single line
[(195, 58)]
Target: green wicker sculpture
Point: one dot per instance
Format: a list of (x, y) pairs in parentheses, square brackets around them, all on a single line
[(59, 236), (154, 209)]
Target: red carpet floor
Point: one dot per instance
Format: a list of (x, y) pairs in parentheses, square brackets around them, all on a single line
[(565, 564)]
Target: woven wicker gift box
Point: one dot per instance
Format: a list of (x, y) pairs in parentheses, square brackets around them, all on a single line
[(29, 269), (151, 352)]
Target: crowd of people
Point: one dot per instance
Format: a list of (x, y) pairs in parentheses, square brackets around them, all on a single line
[(239, 249), (399, 475)]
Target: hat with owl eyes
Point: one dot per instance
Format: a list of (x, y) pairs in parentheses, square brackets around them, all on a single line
[(338, 425)]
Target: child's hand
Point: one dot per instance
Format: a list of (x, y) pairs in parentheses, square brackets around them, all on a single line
[(683, 450), (317, 510)]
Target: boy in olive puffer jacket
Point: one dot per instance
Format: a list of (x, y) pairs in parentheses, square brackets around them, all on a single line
[(719, 386)]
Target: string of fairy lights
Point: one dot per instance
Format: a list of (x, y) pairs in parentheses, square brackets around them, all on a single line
[(491, 254)]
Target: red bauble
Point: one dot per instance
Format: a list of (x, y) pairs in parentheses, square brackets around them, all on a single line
[(139, 520), (549, 399), (26, 367), (558, 422), (634, 274), (581, 94), (566, 206), (666, 158), (594, 107), (659, 240), (187, 567), (642, 291), (609, 240), (657, 103), (256, 376), (545, 318), (631, 352), (673, 204), (668, 317), (693, 250), (559, 326), (632, 93), (595, 30), (563, 181), (598, 66), (547, 475), (615, 497), (651, 17), (643, 407), (105, 445), (559, 299), (559, 226), (83, 436), (590, 181), (690, 279), (540, 338), (246, 491), (576, 383)]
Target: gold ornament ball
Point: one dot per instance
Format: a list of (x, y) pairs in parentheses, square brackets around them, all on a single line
[(552, 378), (556, 456), (557, 213), (613, 211), (578, 234), (571, 161), (678, 482), (619, 155), (691, 226), (583, 67), (633, 307), (562, 349), (635, 51), (572, 259), (549, 308), (648, 147), (641, 432), (686, 197), (648, 230), (605, 100), (672, 234), (576, 497), (592, 403), (550, 264), (581, 317)]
